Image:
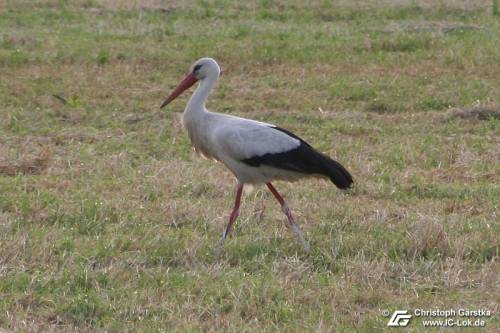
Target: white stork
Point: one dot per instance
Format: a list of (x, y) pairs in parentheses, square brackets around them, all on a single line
[(255, 152)]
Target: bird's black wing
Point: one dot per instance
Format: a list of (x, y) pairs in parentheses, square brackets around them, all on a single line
[(303, 159)]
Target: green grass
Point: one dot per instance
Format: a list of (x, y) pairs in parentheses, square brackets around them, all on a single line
[(109, 222)]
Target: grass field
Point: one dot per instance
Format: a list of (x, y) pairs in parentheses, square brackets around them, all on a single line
[(109, 221)]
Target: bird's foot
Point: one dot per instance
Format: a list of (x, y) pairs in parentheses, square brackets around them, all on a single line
[(300, 236), (306, 246), (220, 248)]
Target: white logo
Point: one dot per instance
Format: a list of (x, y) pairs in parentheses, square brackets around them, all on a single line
[(399, 318)]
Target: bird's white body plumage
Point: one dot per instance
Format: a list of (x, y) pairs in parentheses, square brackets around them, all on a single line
[(231, 139)]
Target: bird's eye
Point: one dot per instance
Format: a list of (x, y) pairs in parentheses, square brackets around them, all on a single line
[(196, 68)]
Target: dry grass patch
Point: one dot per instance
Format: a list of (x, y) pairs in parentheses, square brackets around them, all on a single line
[(30, 164), (478, 112), (430, 26)]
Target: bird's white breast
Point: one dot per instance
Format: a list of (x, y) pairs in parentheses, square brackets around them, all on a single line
[(198, 128)]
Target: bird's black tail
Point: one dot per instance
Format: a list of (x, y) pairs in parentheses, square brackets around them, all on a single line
[(337, 173)]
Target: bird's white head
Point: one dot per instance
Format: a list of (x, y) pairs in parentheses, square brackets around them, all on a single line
[(202, 69), (205, 67)]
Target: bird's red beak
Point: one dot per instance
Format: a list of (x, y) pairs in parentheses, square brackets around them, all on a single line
[(185, 84)]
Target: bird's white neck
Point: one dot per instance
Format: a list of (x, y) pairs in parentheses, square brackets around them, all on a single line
[(197, 101)]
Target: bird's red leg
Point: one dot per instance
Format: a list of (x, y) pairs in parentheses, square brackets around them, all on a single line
[(234, 214), (288, 213)]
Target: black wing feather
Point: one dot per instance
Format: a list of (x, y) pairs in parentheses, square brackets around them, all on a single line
[(304, 159)]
